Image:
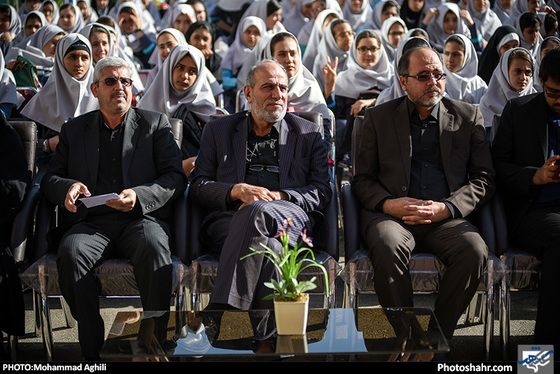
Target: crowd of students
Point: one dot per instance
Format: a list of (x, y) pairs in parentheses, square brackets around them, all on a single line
[(341, 55)]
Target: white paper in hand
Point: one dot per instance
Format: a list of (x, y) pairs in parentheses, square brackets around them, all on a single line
[(93, 201)]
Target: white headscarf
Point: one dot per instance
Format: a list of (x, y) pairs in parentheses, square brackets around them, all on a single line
[(92, 13), (32, 47), (304, 93), (315, 37), (395, 90), (163, 97), (500, 90), (378, 13), (155, 58), (8, 92), (356, 79), (503, 14), (385, 28), (486, 21), (238, 51), (16, 26), (465, 84), (535, 48), (78, 23), (435, 29), (362, 19), (258, 8), (23, 34), (328, 47), (86, 31), (294, 20), (255, 56), (63, 97), (56, 10)]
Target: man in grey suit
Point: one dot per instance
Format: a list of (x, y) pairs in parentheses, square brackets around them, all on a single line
[(122, 150), (422, 165), (255, 170)]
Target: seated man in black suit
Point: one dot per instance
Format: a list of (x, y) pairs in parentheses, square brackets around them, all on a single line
[(255, 170), (525, 152), (422, 166), (130, 152)]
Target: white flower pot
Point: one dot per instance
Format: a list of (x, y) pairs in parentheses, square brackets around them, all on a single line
[(291, 317)]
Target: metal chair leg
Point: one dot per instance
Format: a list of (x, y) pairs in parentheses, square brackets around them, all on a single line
[(45, 324)]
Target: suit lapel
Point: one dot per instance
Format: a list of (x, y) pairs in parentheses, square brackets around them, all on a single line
[(446, 123), (91, 148), (240, 147), (401, 123), (130, 139), (286, 152)]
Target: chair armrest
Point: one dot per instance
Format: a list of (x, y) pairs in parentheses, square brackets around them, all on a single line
[(350, 221), (22, 228)]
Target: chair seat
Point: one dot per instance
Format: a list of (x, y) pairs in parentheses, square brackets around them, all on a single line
[(426, 271), (523, 269), (205, 268), (115, 276)]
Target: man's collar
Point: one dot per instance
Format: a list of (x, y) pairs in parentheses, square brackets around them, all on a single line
[(413, 111), (250, 125)]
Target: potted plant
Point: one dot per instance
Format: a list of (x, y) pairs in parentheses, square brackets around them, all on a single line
[(291, 301)]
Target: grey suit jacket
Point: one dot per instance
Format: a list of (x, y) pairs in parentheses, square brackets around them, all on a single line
[(520, 148), (151, 160), (384, 150), (304, 174)]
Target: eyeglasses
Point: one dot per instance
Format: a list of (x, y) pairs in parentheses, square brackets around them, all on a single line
[(554, 96), (364, 50), (269, 168), (427, 77), (111, 81)]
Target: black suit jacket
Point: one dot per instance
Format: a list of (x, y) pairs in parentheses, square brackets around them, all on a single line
[(519, 149), (151, 160), (304, 173), (384, 152)]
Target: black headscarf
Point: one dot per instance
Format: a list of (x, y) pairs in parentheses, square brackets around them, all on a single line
[(490, 56)]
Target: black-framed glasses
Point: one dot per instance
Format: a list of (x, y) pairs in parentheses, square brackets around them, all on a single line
[(269, 168), (553, 95), (111, 81), (427, 77), (364, 50)]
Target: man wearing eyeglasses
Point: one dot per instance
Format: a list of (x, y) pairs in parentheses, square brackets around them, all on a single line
[(131, 153), (422, 166), (254, 171), (525, 152)]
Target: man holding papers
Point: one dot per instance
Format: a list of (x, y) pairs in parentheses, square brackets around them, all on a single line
[(129, 152)]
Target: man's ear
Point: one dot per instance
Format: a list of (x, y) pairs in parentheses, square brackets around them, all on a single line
[(403, 82), (93, 88), (247, 91)]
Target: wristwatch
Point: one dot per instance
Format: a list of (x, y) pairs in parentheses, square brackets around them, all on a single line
[(45, 146)]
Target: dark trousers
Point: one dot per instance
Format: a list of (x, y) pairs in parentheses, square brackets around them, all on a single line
[(455, 242), (239, 282), (145, 242), (539, 233)]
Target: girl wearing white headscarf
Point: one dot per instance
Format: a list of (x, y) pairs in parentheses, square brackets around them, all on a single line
[(13, 30), (389, 40), (505, 37), (395, 90), (295, 19), (437, 29), (194, 105), (39, 49), (329, 50), (67, 12), (359, 16), (501, 89), (463, 83), (304, 93), (485, 19), (27, 30), (529, 21), (90, 15), (156, 60), (52, 15), (317, 32), (94, 28), (263, 9), (140, 37), (548, 43), (63, 97), (382, 10)]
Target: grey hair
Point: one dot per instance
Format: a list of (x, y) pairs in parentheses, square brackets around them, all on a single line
[(109, 62), (251, 74)]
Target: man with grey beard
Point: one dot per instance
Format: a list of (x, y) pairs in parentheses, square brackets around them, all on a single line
[(256, 170), (422, 165)]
